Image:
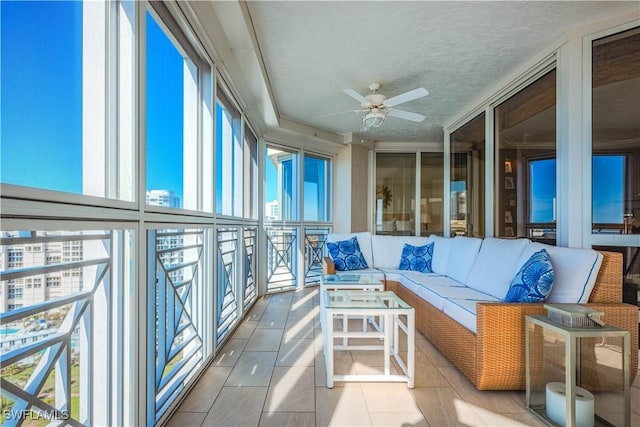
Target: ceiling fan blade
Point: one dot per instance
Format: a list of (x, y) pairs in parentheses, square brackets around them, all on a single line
[(406, 97), (355, 95), (341, 112), (407, 115)]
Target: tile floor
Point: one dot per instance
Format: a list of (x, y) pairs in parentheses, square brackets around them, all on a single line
[(271, 373)]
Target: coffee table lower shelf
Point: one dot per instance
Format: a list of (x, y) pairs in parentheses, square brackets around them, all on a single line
[(389, 313)]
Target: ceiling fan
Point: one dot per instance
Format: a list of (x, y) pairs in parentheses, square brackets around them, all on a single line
[(377, 107)]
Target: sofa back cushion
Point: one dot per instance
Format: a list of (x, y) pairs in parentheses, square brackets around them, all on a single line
[(364, 241), (462, 255), (496, 265), (575, 271), (440, 253), (387, 250)]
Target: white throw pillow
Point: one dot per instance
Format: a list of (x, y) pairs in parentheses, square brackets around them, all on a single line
[(364, 241), (462, 255), (575, 271), (441, 252), (495, 265)]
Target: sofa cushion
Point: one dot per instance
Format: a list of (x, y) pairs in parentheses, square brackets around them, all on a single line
[(463, 311), (417, 258), (346, 255), (495, 265), (575, 271), (462, 255), (364, 240), (441, 252), (533, 281), (387, 250)]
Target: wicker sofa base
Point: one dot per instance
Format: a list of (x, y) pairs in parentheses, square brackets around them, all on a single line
[(494, 359)]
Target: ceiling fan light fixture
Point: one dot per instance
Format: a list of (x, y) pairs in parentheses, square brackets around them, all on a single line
[(373, 119)]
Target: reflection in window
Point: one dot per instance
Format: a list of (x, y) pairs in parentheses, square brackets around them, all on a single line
[(281, 192), (41, 105), (616, 133), (251, 174), (525, 191), (467, 192), (431, 193), (316, 206), (542, 190), (395, 193), (229, 160)]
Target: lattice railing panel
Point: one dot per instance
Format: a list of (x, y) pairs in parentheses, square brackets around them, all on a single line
[(54, 349), (227, 300), (315, 239), (250, 289), (175, 275), (282, 260)]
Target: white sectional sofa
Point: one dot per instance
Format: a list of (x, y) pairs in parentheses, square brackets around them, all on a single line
[(459, 305)]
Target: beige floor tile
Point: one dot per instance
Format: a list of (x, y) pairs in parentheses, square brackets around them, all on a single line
[(245, 329), (635, 419), (291, 390), (508, 420), (395, 419), (426, 374), (342, 364), (368, 358), (298, 328), (360, 369), (237, 406), (264, 340), (230, 352), (256, 312), (501, 402), (389, 397), (443, 406), (204, 393), (288, 419), (433, 354), (341, 406), (254, 368), (296, 353), (280, 298), (300, 310), (182, 419), (272, 320)]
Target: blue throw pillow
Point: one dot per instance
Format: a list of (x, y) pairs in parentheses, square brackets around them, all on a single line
[(417, 258), (534, 280), (346, 255)]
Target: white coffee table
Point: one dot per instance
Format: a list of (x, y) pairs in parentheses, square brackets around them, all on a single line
[(389, 309)]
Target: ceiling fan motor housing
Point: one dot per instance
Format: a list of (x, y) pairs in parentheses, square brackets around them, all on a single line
[(376, 99)]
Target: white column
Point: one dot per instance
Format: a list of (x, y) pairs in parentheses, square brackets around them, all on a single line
[(570, 186), (94, 113)]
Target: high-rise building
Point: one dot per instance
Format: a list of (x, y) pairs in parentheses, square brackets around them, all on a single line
[(163, 198), (272, 210)]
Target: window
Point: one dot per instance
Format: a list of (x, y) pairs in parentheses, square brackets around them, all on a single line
[(229, 160), (251, 174), (36, 37), (281, 185), (172, 99), (616, 134), (542, 191), (525, 172), (395, 193), (431, 193), (467, 186), (316, 186)]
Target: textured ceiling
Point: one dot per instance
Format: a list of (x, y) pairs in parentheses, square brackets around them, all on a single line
[(456, 50)]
